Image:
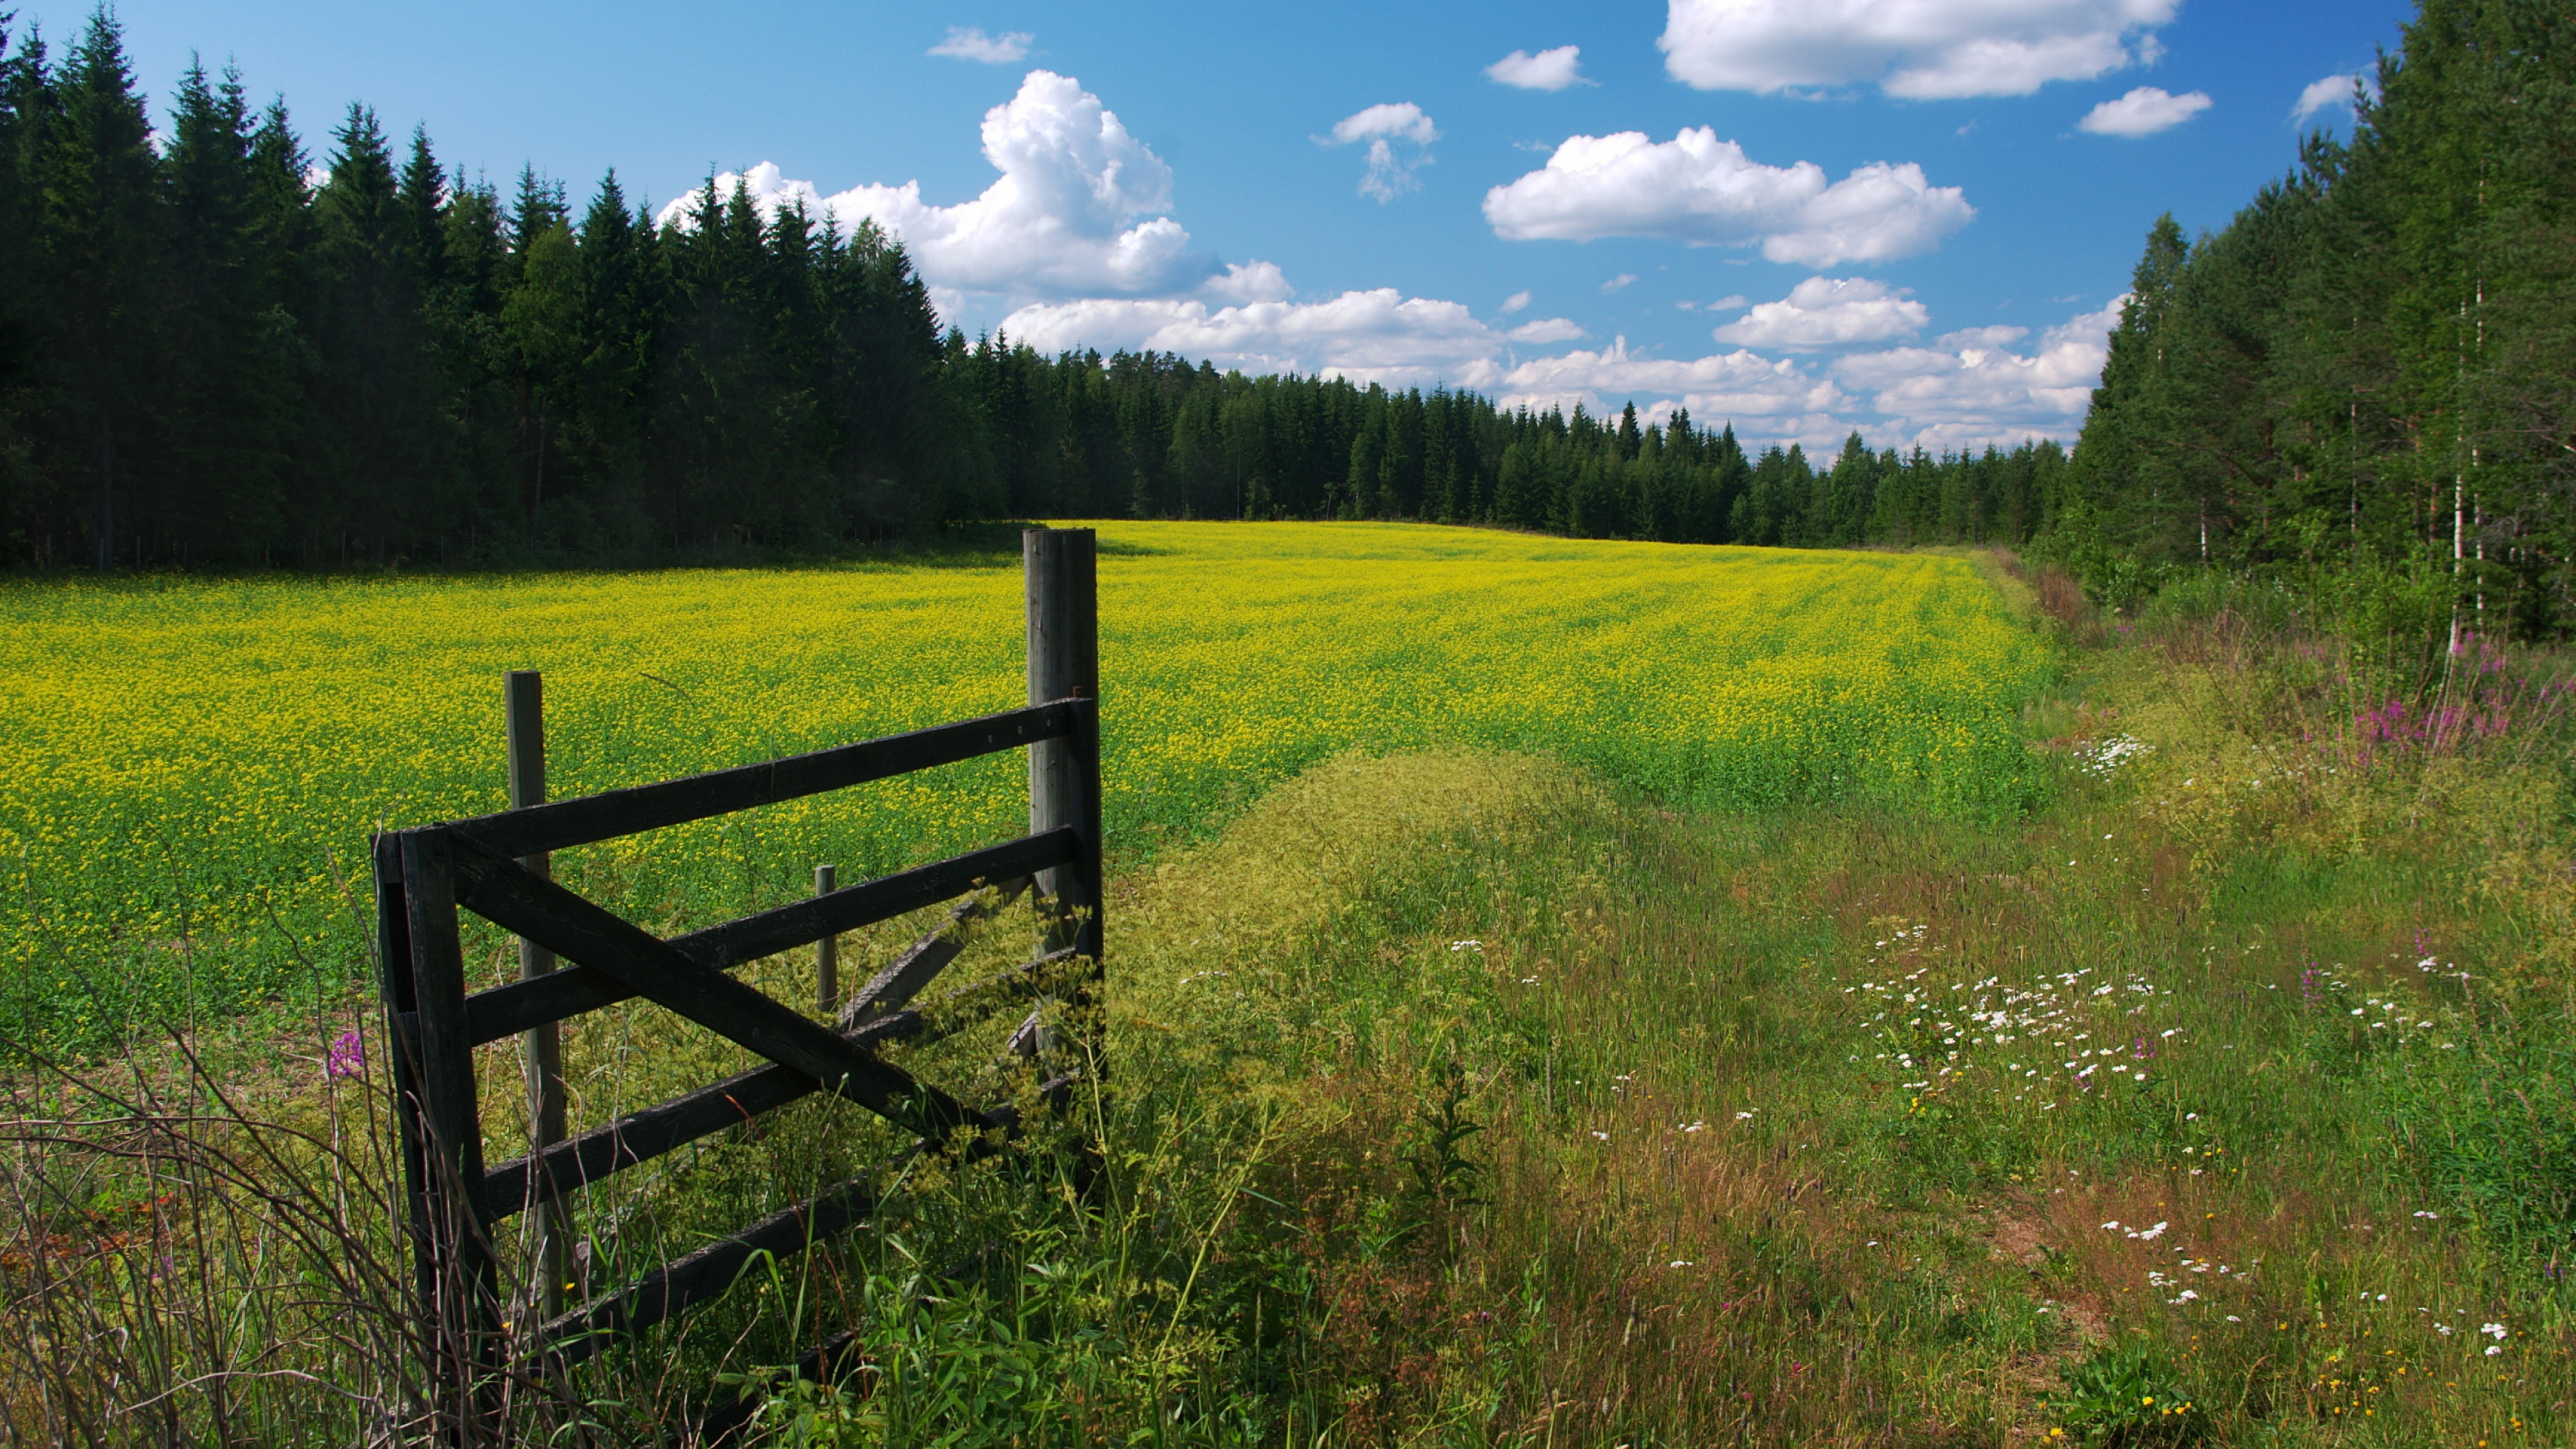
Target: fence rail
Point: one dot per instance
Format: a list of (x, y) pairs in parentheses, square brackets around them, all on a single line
[(496, 866)]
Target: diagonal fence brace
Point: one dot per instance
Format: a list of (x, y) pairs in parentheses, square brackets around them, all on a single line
[(501, 890)]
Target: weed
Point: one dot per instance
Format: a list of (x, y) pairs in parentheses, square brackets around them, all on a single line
[(2126, 1397)]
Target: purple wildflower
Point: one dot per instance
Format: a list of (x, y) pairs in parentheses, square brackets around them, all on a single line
[(348, 1056)]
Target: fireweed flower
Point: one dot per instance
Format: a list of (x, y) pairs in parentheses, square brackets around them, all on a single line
[(348, 1056)]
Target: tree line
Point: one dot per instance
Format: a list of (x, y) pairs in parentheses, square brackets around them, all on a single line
[(2370, 373), (216, 350)]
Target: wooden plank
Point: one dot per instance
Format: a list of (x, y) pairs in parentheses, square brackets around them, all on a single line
[(711, 1270), (402, 1051), (505, 1010), (1064, 774), (835, 1358), (1093, 895), (827, 952), (449, 1109), (1061, 565), (1024, 974), (604, 1151), (499, 889), (523, 727), (590, 818), (704, 1274), (462, 1316), (923, 960)]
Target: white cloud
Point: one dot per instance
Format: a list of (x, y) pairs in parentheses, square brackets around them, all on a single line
[(1373, 336), (1982, 336), (1964, 392), (1828, 312), (1515, 302), (1967, 391), (2143, 112), (1056, 223), (1382, 125), (1549, 70), (2331, 92), (969, 42), (1401, 119), (1920, 49), (1618, 283), (1765, 399), (1696, 188), (1250, 282), (1727, 304)]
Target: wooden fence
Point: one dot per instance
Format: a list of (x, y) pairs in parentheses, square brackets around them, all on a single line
[(497, 867)]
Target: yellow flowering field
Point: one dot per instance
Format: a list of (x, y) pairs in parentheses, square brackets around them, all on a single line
[(193, 766)]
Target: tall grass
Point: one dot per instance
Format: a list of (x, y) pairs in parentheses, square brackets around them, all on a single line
[(1477, 1099)]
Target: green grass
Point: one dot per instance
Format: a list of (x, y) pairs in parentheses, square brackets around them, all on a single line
[(195, 764), (1475, 1097), (1697, 1207)]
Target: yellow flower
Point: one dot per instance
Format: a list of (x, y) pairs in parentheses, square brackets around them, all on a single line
[(290, 718)]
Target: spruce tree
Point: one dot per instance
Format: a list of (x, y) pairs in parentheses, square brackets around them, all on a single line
[(101, 226)]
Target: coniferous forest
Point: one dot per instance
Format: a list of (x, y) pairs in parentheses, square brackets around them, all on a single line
[(229, 346), (2366, 383)]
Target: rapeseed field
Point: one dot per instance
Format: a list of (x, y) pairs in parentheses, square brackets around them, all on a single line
[(193, 766)]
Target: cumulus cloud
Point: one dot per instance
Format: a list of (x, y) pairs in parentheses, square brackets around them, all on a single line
[(1982, 336), (1968, 390), (2331, 92), (1766, 399), (1399, 118), (1920, 49), (1696, 188), (1618, 283), (1965, 391), (969, 42), (1546, 329), (1250, 282), (1383, 336), (1062, 220), (1515, 302), (2143, 112), (1371, 336), (1382, 126), (1549, 70), (1828, 312)]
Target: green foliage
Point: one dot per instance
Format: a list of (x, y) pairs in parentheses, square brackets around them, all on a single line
[(2490, 1128), (2127, 1398), (1444, 1178), (2365, 373)]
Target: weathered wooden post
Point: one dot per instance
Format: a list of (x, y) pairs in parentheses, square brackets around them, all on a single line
[(1062, 567), (827, 952), (541, 1047), (424, 993)]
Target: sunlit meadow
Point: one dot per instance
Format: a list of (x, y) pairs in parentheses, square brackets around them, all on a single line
[(194, 766), (2169, 1050)]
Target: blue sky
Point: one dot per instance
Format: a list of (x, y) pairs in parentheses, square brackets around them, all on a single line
[(1902, 216)]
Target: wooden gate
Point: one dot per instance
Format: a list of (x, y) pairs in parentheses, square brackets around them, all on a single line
[(495, 866)]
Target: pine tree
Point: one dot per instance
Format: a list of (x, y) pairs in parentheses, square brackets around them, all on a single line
[(26, 310), (384, 431), (102, 228), (233, 395)]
